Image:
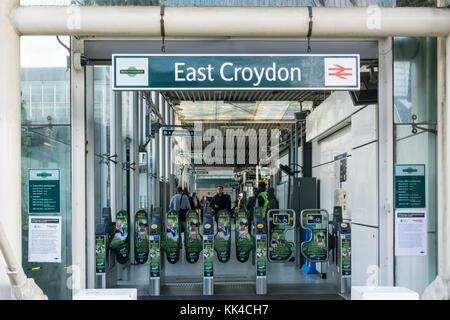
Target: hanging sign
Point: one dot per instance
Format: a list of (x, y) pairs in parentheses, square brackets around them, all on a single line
[(141, 241), (193, 239), (222, 240), (44, 191), (235, 72), (120, 241), (245, 242), (100, 254), (316, 222), (409, 186), (171, 241), (280, 221)]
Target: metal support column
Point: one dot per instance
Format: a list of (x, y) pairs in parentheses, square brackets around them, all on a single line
[(90, 181), (134, 169), (162, 153), (156, 155)]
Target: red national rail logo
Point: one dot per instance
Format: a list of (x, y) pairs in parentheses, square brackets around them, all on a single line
[(339, 71)]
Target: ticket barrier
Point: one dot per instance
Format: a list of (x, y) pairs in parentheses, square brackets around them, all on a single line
[(315, 249), (340, 245), (208, 251), (105, 259), (260, 227), (155, 231)]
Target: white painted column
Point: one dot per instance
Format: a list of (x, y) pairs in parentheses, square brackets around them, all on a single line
[(439, 289), (384, 276), (78, 167), (10, 140)]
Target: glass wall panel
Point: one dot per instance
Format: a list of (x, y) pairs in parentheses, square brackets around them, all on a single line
[(45, 87), (415, 100), (102, 124)]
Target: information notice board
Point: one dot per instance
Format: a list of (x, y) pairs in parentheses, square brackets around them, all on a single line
[(44, 191), (411, 233), (44, 239), (410, 186)]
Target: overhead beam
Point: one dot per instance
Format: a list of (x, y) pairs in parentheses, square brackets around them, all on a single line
[(371, 22)]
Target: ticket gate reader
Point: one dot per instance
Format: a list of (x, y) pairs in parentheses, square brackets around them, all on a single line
[(155, 251), (261, 250), (208, 251), (192, 238), (279, 222), (340, 244), (222, 239), (105, 260), (345, 256), (316, 222)]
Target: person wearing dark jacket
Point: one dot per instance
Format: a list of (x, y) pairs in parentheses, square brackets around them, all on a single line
[(252, 202), (191, 200), (273, 202), (220, 201)]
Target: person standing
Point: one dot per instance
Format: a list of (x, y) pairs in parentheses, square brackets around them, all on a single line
[(204, 202), (180, 204), (252, 202), (273, 202), (191, 200), (221, 201), (262, 200), (196, 201)]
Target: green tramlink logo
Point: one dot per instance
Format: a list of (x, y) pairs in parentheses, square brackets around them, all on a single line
[(409, 170), (44, 174), (132, 71)]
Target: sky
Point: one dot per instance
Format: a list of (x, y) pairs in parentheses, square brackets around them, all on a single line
[(43, 51)]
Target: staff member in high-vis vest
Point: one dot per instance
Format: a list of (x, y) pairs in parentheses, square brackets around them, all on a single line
[(263, 199)]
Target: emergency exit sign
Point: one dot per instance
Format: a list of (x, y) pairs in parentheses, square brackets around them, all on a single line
[(235, 72)]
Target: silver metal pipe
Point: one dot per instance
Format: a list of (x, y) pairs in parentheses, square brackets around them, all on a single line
[(372, 22)]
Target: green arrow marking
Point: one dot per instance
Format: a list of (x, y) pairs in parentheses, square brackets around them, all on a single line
[(410, 170)]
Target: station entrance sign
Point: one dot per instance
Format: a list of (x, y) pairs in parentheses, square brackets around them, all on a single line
[(235, 72)]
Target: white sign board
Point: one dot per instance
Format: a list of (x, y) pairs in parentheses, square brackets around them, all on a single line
[(410, 233), (44, 239)]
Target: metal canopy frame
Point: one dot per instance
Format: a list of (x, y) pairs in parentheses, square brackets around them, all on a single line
[(217, 23)]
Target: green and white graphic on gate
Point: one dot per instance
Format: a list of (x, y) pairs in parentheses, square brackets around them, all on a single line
[(120, 242), (346, 255), (171, 240), (193, 239), (222, 240), (208, 256), (100, 254), (261, 255), (245, 242), (279, 222), (316, 221), (155, 256), (141, 241)]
